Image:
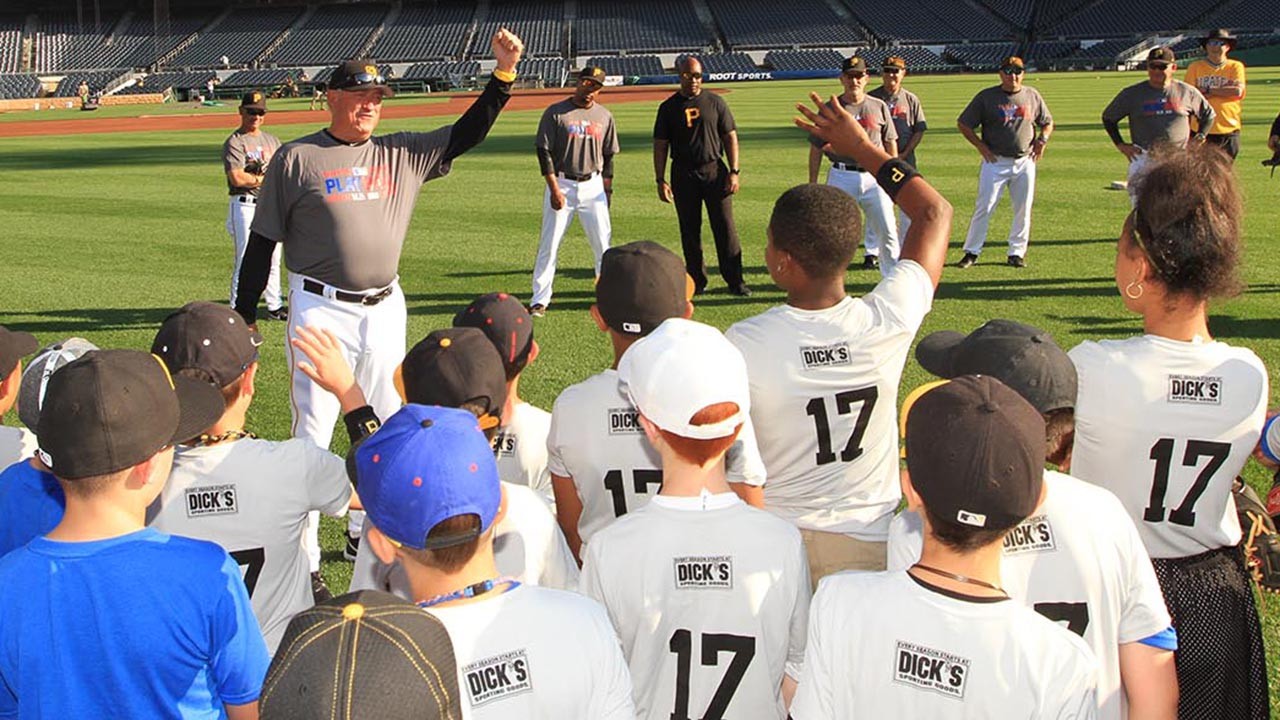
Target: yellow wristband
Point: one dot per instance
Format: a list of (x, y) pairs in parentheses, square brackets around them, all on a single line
[(504, 75)]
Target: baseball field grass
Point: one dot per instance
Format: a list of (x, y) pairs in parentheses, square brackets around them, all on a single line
[(104, 234)]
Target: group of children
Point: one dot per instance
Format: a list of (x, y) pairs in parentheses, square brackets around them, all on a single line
[(670, 580)]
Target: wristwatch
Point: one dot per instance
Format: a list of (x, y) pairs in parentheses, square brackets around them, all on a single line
[(735, 171)]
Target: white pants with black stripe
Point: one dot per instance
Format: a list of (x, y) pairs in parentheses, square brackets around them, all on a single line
[(588, 201), (880, 235), (239, 219), (1019, 175)]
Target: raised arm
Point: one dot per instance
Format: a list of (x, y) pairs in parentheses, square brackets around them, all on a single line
[(474, 125)]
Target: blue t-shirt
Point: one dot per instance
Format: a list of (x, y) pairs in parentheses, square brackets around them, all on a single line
[(31, 503), (146, 625)]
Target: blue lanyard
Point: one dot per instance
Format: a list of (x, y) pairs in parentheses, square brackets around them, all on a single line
[(470, 591)]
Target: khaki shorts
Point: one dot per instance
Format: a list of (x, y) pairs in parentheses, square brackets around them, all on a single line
[(831, 553)]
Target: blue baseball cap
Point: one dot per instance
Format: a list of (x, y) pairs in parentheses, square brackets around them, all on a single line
[(424, 465)]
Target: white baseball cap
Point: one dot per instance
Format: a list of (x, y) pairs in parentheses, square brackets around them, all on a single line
[(680, 368)]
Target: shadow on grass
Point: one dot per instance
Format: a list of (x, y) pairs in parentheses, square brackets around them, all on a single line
[(1222, 326), (116, 155), (50, 325), (1024, 288)]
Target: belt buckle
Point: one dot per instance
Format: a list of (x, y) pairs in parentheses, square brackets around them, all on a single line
[(377, 297)]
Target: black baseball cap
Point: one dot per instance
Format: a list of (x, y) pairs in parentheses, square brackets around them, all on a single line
[(454, 366), (505, 321), (366, 654), (1221, 34), (641, 284), (209, 338), (112, 409), (894, 61), (1022, 357), (592, 72), (1162, 53), (359, 75), (975, 451), (853, 63), (14, 345), (254, 101)]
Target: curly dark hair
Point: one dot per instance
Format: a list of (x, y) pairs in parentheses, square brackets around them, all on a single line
[(819, 226), (1187, 222)]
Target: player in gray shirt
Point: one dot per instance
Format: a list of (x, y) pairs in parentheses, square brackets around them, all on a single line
[(1159, 111), (1008, 115), (339, 201), (908, 118), (576, 143), (880, 236), (245, 157)]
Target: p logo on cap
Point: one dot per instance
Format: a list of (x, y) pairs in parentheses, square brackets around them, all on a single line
[(371, 69)]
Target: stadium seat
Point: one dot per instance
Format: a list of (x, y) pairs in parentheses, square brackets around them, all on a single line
[(433, 32), (770, 24), (661, 25)]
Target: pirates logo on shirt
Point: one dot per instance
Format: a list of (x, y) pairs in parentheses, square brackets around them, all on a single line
[(928, 669), (498, 677)]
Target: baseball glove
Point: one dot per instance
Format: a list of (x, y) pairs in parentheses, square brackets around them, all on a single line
[(255, 167), (1261, 544)]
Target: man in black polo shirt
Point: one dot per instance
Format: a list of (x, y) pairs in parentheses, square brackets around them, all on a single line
[(696, 128)]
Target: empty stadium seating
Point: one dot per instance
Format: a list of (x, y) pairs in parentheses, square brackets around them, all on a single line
[(447, 74), (1114, 19), (14, 87), (1096, 55), (552, 71), (768, 23), (333, 34), (241, 36), (63, 45), (661, 25), (727, 62), (918, 59), (539, 23), (260, 78), (980, 57), (1016, 12), (424, 33), (98, 81), (629, 65), (10, 43), (1246, 14), (802, 59)]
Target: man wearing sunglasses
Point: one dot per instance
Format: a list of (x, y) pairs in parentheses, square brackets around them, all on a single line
[(1159, 111), (339, 202), (1009, 115), (880, 236), (696, 128), (1221, 81), (576, 143), (907, 114), (245, 156)]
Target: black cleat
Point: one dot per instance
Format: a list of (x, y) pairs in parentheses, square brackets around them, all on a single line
[(870, 262), (740, 291), (967, 261), (319, 590), (1017, 261), (353, 547), (537, 310), (280, 313)]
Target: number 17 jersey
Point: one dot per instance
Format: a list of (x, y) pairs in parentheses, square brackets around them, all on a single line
[(824, 391)]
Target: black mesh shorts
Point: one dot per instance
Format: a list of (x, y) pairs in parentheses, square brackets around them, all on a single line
[(1222, 670)]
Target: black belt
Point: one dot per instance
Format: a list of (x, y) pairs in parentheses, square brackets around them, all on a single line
[(316, 287), (246, 199), (576, 178), (847, 168)]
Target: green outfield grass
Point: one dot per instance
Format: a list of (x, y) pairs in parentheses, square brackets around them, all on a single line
[(105, 234)]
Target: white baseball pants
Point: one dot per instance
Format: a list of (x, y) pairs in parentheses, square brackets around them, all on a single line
[(239, 219), (880, 234), (1019, 174), (585, 198), (373, 338)]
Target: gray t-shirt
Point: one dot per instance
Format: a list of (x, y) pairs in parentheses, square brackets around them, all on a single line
[(240, 148), (578, 138), (873, 115), (342, 210), (1008, 120), (1159, 116), (907, 114)]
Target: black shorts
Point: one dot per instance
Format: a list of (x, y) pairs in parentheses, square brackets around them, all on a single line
[(1230, 143), (1222, 669)]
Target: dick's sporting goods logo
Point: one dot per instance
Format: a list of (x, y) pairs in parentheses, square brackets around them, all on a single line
[(826, 355), (211, 500), (498, 677), (505, 445), (701, 573), (1195, 390), (929, 669), (1035, 534), (624, 421)]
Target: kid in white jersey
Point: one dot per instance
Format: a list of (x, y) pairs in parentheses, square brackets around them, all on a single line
[(942, 639), (1167, 420), (523, 651), (1078, 559), (455, 367), (248, 495), (825, 367), (522, 438), (697, 572), (15, 443), (601, 466)]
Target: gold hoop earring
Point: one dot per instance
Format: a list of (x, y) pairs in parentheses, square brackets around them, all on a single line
[(1129, 290)]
